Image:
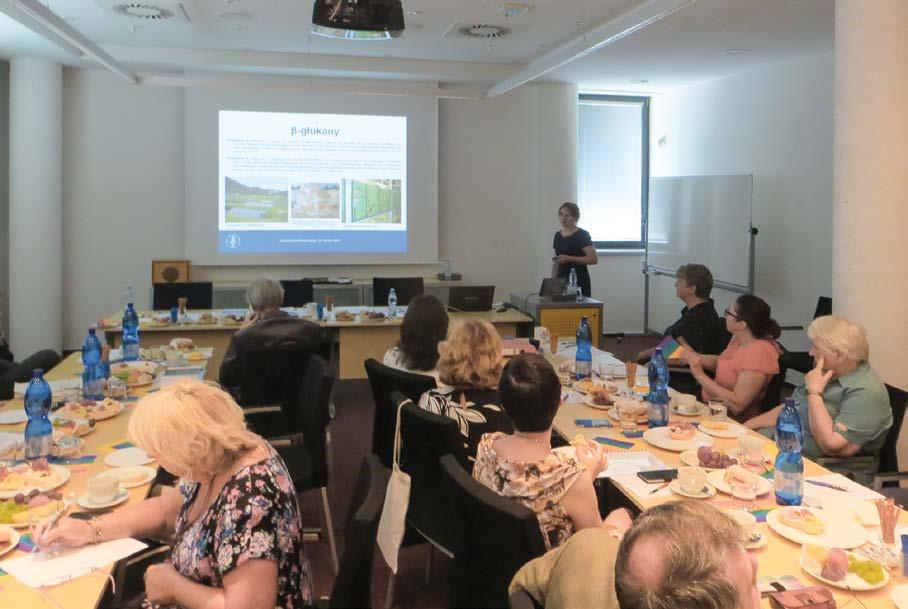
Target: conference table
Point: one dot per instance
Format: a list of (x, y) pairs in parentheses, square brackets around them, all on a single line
[(779, 557), (84, 592), (357, 340)]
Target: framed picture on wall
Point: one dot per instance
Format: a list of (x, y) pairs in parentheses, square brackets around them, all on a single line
[(170, 271)]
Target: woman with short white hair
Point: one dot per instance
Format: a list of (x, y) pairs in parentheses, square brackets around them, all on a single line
[(843, 404), (234, 514)]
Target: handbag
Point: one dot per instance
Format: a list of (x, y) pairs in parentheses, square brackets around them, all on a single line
[(392, 524)]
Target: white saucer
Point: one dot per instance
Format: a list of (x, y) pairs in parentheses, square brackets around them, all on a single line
[(756, 541), (13, 540), (706, 493), (122, 473), (86, 501), (127, 457)]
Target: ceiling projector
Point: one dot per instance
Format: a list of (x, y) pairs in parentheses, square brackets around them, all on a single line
[(358, 19)]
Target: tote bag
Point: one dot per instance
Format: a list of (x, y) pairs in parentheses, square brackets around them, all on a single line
[(394, 513)]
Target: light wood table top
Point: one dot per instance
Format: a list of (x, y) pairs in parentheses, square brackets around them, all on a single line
[(778, 558), (84, 592)]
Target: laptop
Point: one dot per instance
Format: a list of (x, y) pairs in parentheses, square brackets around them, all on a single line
[(553, 287), (471, 298)]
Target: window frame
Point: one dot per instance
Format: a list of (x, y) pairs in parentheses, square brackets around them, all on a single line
[(644, 102)]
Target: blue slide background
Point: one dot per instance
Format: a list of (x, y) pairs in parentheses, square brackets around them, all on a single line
[(311, 242)]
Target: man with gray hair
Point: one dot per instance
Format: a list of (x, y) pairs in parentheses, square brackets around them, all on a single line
[(685, 555), (265, 326)]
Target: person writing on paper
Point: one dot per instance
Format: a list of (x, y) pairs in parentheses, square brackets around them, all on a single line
[(522, 465), (843, 405), (234, 518), (745, 368), (573, 248)]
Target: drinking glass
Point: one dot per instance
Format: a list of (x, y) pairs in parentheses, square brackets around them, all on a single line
[(553, 342), (116, 389), (752, 451), (329, 302), (718, 410), (627, 414), (631, 378)]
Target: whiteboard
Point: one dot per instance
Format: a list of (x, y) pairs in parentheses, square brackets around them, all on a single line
[(702, 219)]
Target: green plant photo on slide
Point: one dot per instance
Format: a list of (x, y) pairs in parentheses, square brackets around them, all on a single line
[(376, 201)]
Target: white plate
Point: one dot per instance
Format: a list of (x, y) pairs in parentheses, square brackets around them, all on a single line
[(689, 457), (13, 539), (851, 582), (13, 416), (588, 400), (707, 492), (734, 430), (127, 457), (576, 385), (86, 502), (716, 477), (613, 413), (674, 409), (24, 525), (899, 596), (60, 479), (659, 437), (121, 473), (841, 530)]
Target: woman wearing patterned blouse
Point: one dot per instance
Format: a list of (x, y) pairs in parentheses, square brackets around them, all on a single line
[(234, 515), (523, 466)]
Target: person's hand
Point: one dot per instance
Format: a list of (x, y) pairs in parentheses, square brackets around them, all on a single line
[(692, 359), (251, 318), (619, 520), (592, 456), (561, 258), (159, 583), (68, 532), (816, 380)]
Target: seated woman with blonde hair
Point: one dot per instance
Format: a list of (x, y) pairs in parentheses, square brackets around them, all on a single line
[(469, 365), (234, 515)]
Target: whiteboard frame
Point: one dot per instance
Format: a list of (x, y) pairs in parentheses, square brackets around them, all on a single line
[(650, 270)]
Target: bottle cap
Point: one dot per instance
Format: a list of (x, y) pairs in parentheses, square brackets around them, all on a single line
[(37, 372)]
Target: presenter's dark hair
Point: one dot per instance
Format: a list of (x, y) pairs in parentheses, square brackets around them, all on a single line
[(530, 392), (697, 276), (572, 209), (754, 311), (424, 326)]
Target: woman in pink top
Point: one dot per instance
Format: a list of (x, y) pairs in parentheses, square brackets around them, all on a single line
[(745, 368)]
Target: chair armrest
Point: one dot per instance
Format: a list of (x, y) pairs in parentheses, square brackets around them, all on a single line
[(862, 459), (262, 410), (122, 567), (284, 441), (883, 477)]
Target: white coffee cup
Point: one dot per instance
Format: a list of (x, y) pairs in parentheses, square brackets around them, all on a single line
[(311, 309), (686, 402), (103, 488), (692, 479), (745, 520), (173, 356)]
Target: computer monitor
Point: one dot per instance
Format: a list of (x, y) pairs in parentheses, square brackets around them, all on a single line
[(552, 286), (471, 298)]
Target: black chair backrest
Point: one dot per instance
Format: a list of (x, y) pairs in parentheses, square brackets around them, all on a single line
[(198, 294), (425, 438), (824, 307), (495, 537), (383, 380), (521, 599), (889, 461), (297, 293), (773, 395), (406, 288), (353, 583)]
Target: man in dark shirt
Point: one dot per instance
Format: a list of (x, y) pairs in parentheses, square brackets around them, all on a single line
[(12, 372), (700, 328)]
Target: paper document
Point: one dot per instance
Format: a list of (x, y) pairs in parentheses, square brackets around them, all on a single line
[(640, 488), (631, 462), (39, 569)]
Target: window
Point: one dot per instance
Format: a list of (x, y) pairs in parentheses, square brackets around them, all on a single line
[(613, 169)]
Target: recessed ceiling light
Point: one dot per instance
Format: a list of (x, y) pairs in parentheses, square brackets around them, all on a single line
[(639, 81), (736, 51)]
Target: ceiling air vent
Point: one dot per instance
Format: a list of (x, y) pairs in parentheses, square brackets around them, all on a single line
[(143, 11), (483, 31)]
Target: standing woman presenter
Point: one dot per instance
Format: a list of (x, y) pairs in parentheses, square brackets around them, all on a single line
[(573, 248)]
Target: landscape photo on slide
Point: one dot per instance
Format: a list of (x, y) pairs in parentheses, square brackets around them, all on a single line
[(375, 201), (315, 200), (255, 199)]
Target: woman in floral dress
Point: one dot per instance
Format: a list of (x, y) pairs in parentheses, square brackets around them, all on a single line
[(238, 537)]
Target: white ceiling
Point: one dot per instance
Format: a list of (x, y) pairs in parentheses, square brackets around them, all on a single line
[(685, 47)]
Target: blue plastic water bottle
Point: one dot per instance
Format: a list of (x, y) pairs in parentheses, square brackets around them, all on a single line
[(789, 474), (92, 368), (130, 333), (392, 303), (38, 431), (658, 400), (583, 360)]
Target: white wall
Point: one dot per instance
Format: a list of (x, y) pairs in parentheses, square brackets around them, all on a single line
[(122, 191), (776, 123)]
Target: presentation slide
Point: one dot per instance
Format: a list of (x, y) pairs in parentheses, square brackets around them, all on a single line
[(311, 183)]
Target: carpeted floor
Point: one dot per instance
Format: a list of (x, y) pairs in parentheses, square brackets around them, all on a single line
[(351, 433)]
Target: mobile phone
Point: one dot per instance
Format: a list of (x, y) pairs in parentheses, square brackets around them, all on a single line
[(658, 475), (592, 423)]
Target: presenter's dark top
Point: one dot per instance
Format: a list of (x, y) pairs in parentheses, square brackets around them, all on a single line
[(573, 246)]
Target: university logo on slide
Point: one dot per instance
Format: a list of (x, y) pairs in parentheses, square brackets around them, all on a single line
[(233, 241)]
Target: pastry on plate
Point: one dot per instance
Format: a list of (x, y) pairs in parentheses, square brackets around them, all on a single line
[(681, 431), (803, 520)]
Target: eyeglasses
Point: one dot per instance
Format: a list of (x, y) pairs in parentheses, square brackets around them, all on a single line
[(728, 312)]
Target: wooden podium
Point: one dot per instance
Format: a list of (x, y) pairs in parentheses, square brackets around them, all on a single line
[(562, 317)]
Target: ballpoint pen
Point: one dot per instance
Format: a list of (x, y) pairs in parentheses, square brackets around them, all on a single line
[(827, 485), (660, 487)]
